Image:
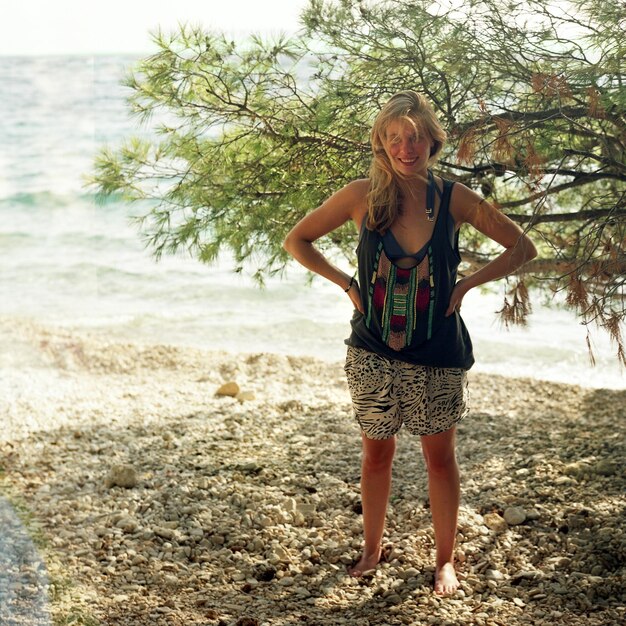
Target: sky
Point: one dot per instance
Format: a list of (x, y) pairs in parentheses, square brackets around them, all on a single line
[(41, 27)]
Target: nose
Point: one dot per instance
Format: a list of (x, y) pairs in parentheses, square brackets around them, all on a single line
[(406, 147)]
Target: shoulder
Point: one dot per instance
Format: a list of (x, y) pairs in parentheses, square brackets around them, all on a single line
[(356, 193), (463, 201), (358, 188)]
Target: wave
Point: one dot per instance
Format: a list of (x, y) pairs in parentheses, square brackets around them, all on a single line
[(51, 200)]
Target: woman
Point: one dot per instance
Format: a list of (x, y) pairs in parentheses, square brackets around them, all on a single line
[(409, 350)]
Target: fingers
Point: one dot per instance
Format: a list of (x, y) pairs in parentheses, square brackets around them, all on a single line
[(355, 296), (454, 305), (358, 305)]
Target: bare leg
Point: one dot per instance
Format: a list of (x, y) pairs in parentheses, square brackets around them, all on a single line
[(444, 492), (375, 488)]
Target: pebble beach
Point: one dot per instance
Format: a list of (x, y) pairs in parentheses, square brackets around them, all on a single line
[(166, 485)]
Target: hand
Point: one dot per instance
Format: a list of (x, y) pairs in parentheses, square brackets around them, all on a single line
[(355, 295), (456, 297)]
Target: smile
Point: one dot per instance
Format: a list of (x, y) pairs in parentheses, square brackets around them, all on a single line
[(407, 161)]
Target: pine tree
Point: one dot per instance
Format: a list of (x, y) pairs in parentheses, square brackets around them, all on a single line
[(252, 135)]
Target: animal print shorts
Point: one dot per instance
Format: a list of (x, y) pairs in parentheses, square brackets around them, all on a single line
[(387, 393)]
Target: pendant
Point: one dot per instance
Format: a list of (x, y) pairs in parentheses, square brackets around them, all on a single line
[(430, 197)]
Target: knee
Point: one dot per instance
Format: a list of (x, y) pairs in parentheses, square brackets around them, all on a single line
[(441, 464), (378, 459)]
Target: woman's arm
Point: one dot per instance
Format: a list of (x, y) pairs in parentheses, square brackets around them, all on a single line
[(347, 203), (468, 207)]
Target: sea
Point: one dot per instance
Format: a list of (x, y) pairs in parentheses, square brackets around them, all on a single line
[(69, 263)]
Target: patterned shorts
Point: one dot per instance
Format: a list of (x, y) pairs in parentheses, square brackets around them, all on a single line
[(387, 393)]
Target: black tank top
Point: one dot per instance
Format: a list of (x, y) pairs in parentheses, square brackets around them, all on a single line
[(405, 308)]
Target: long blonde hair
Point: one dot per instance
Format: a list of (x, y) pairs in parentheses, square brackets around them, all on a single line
[(384, 195)]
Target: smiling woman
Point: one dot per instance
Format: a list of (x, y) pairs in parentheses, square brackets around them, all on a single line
[(406, 146), (39, 27), (409, 350)]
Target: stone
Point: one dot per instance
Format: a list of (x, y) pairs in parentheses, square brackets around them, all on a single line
[(164, 533), (494, 574), (532, 514), (605, 468), (290, 505), (410, 572), (127, 524), (495, 522), (121, 476), (215, 521), (228, 389), (514, 515), (393, 599), (245, 396), (306, 508)]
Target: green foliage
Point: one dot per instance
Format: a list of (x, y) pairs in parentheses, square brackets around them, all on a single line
[(250, 136)]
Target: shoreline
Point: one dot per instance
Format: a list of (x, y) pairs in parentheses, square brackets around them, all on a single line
[(46, 365), (249, 509)]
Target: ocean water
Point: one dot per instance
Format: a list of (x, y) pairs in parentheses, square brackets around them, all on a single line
[(71, 263)]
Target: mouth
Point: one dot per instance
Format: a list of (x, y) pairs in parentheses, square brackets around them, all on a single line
[(407, 161)]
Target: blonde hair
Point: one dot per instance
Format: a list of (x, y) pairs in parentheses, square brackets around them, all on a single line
[(384, 195)]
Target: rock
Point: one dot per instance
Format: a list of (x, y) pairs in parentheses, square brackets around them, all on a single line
[(247, 621), (290, 505), (121, 476), (127, 524), (495, 522), (231, 499), (563, 480), (527, 575), (393, 599), (410, 572), (306, 508), (514, 515), (164, 533), (576, 469), (533, 514), (264, 573), (494, 574), (228, 389), (245, 396), (605, 468), (120, 598), (279, 555)]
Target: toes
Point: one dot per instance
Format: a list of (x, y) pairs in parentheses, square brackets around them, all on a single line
[(443, 590)]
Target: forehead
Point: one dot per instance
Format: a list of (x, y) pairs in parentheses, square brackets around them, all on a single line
[(401, 127)]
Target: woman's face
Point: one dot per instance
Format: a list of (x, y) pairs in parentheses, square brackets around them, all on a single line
[(407, 149)]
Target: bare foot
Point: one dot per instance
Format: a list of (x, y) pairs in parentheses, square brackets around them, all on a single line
[(446, 581), (367, 563)]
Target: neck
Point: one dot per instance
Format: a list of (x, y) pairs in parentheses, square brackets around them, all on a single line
[(411, 185)]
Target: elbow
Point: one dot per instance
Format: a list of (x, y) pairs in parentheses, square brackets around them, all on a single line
[(294, 244), (524, 249), (530, 251), (288, 243)]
